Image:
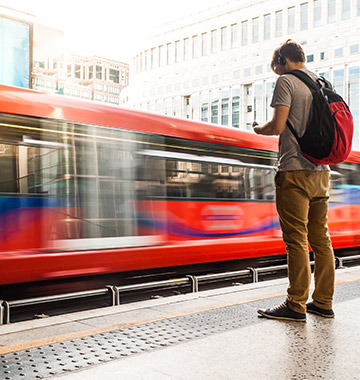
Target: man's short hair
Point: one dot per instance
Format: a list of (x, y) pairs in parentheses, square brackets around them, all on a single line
[(290, 50)]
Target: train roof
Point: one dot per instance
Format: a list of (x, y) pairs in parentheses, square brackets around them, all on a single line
[(25, 102), (20, 101)]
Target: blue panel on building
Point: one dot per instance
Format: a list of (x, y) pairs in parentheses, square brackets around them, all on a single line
[(14, 53)]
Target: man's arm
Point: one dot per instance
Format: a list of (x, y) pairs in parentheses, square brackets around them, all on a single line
[(276, 125)]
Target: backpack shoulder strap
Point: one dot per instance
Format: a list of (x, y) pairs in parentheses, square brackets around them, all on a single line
[(292, 130), (306, 79), (312, 85)]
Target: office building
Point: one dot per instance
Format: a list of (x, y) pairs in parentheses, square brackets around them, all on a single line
[(214, 66)]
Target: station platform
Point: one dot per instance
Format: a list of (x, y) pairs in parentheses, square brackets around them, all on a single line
[(212, 335)]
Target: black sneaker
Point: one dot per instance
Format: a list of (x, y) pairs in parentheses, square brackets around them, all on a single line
[(283, 312), (326, 313)]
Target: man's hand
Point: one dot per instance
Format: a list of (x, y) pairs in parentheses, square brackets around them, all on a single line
[(276, 125), (254, 124)]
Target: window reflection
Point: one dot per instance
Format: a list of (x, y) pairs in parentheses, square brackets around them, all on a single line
[(204, 180)]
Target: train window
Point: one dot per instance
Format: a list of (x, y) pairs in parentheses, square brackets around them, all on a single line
[(8, 180), (85, 158), (190, 176), (345, 182), (108, 185), (88, 175)]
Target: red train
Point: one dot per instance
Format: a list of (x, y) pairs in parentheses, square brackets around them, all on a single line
[(89, 189)]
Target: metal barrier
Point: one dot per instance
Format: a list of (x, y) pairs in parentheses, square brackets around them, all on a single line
[(7, 305), (115, 291), (341, 260)]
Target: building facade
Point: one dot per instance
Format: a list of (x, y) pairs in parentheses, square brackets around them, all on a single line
[(214, 66), (91, 78)]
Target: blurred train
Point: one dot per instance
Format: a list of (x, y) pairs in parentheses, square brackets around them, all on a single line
[(89, 189)]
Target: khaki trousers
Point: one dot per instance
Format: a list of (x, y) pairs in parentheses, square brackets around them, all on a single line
[(302, 206)]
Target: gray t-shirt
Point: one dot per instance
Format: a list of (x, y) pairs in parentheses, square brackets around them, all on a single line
[(292, 92)]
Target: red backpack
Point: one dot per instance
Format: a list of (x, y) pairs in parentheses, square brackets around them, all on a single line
[(329, 130)]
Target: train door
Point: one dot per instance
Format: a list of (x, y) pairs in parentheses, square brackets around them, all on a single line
[(27, 201), (66, 186)]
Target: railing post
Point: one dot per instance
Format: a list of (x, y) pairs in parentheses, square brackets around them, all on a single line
[(115, 295), (1, 312), (194, 283), (255, 275), (340, 262), (5, 311)]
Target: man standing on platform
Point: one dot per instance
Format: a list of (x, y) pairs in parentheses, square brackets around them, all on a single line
[(302, 193)]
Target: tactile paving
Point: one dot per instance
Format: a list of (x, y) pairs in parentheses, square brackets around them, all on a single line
[(55, 359)]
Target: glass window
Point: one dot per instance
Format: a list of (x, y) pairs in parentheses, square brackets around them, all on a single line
[(10, 181), (98, 72), (213, 41), (268, 97), (354, 49), (244, 33), (258, 69), (331, 11), (141, 62), (177, 51), (223, 38), (205, 112), (291, 20), (89, 181), (196, 179), (204, 44), (195, 47), (323, 55), (195, 106), (354, 103), (162, 55), (169, 55), (258, 109), (225, 107), (152, 58), (304, 9), (114, 75), (234, 35), (186, 49), (310, 58), (215, 111), (255, 29), (235, 107), (325, 74), (345, 9), (91, 71), (204, 100), (267, 27), (339, 52), (278, 23), (77, 71), (338, 82), (317, 12), (146, 59)]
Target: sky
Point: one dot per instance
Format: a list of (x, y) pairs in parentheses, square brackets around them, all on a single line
[(108, 28)]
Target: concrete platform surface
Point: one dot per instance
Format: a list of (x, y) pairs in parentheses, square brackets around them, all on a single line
[(212, 335)]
